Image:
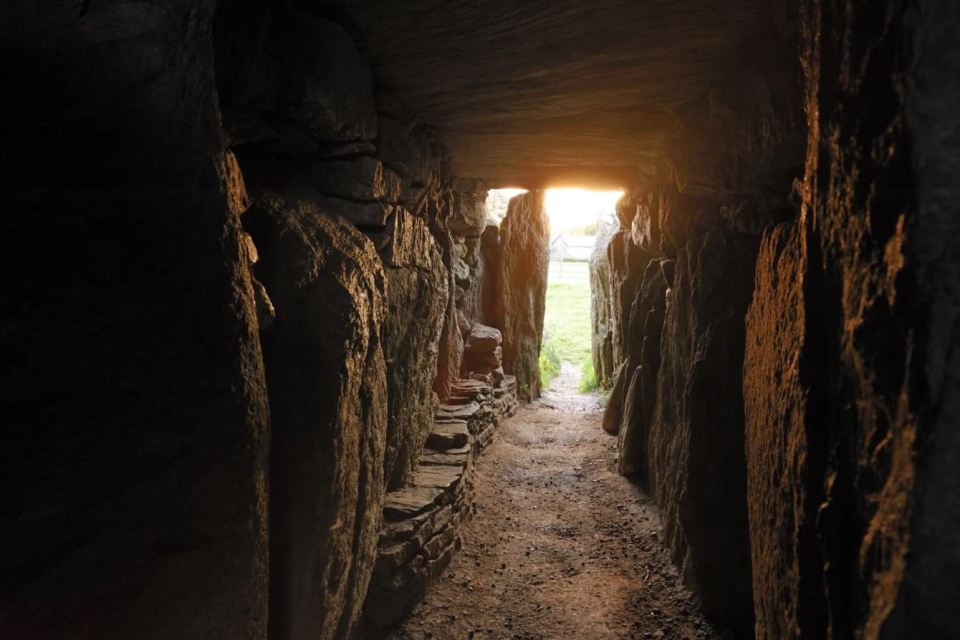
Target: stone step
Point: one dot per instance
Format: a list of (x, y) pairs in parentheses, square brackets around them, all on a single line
[(451, 457), (410, 501), (437, 477), (459, 400), (448, 435), (460, 412), (471, 388)]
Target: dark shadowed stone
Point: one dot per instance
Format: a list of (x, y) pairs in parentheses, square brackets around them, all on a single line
[(135, 435), (406, 147), (362, 214), (450, 356), (364, 179), (468, 214), (451, 457), (483, 339), (327, 384), (325, 85), (410, 243), (613, 412), (459, 412), (632, 440), (470, 389), (635, 406), (488, 311), (696, 438), (525, 259)]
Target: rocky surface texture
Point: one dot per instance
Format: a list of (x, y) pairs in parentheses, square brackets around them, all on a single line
[(601, 307), (682, 277), (328, 390), (226, 376), (373, 202), (416, 295), (559, 90), (797, 503), (846, 324), (422, 521), (524, 262)]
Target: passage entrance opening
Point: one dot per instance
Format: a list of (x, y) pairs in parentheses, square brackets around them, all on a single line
[(582, 222)]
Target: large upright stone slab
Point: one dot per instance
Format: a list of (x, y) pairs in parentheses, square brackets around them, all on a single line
[(416, 299), (525, 260), (601, 307), (695, 447), (327, 383)]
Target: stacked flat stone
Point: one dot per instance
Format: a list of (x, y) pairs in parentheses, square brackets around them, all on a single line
[(483, 354), (422, 521)]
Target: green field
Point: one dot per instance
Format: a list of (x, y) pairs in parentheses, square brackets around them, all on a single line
[(566, 335)]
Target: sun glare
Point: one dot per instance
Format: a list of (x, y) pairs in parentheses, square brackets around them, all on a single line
[(567, 208), (574, 208)]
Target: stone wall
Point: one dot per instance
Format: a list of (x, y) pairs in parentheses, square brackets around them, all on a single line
[(275, 272), (682, 278), (777, 344), (328, 390), (250, 321), (135, 429), (375, 276), (422, 520), (835, 487)]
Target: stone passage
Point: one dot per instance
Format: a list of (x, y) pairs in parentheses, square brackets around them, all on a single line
[(241, 371), (560, 546), (422, 521)]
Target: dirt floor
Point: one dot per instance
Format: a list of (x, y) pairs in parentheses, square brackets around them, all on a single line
[(561, 546)]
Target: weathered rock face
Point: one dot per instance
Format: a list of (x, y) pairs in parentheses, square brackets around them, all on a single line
[(837, 476), (695, 443), (525, 260), (135, 428), (775, 441), (628, 264), (327, 383), (646, 324), (416, 297), (601, 307), (483, 354), (933, 565), (490, 303)]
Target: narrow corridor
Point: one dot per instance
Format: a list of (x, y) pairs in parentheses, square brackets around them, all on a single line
[(561, 545)]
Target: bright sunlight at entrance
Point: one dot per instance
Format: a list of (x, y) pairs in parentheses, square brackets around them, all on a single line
[(579, 218)]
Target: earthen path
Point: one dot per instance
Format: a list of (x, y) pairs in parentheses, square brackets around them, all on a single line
[(561, 546)]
